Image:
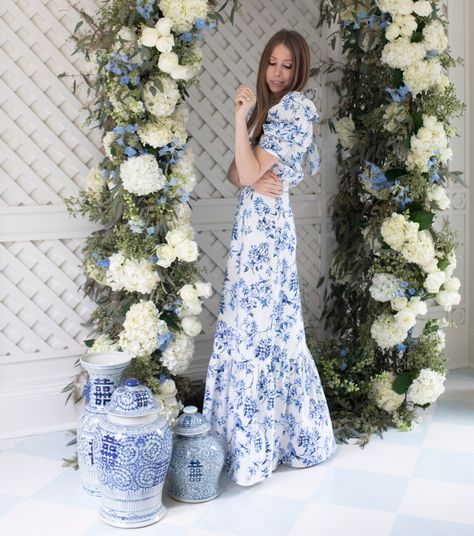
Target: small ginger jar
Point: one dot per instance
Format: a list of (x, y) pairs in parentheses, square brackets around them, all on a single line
[(132, 449), (197, 459)]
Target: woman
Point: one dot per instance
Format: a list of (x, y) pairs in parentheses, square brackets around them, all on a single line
[(263, 392)]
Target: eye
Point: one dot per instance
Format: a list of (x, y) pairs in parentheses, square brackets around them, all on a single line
[(272, 63), (287, 66)]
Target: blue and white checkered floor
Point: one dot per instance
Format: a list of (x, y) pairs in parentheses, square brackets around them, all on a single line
[(419, 483)]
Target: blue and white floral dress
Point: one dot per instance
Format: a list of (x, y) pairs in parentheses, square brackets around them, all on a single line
[(263, 393)]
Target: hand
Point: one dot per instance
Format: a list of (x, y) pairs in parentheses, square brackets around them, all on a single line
[(244, 100), (269, 184)]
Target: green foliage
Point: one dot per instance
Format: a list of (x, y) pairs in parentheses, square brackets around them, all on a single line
[(381, 136)]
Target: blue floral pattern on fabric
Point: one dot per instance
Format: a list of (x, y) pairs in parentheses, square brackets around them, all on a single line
[(263, 392)]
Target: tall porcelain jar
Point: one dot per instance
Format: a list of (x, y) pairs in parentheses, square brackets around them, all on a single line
[(197, 461), (105, 373), (132, 451)]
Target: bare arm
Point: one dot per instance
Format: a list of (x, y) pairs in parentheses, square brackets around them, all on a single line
[(233, 176), (250, 164)]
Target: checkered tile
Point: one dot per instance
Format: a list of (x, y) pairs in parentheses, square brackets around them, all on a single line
[(406, 484)]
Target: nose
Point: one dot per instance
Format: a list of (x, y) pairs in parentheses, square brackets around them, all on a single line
[(277, 69)]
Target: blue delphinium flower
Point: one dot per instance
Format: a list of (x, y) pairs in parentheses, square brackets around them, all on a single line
[(398, 95)]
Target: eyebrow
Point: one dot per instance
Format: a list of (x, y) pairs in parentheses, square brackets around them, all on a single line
[(275, 58)]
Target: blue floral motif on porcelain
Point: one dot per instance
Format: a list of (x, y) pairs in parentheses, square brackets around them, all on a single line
[(197, 460)]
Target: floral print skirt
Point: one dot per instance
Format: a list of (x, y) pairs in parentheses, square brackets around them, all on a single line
[(263, 394)]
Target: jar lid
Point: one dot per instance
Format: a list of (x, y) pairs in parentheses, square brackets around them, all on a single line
[(132, 399), (191, 422)]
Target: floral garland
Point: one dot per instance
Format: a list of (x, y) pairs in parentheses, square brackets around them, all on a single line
[(392, 259), (140, 267)]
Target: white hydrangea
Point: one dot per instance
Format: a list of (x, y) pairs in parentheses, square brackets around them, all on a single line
[(396, 230), (386, 332), (396, 7), (423, 75), (162, 103), (401, 53), (407, 24), (184, 167), (422, 8), (430, 139), (142, 327), (131, 275), (178, 354), (384, 287), (141, 175), (419, 249), (162, 132), (438, 195), (104, 344), (183, 13), (181, 221), (383, 394), (427, 387), (345, 130), (435, 37), (169, 406), (94, 183)]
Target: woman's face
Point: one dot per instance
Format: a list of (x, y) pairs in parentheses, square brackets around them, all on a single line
[(279, 69)]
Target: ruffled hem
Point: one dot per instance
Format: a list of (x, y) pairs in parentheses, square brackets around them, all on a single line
[(276, 414)]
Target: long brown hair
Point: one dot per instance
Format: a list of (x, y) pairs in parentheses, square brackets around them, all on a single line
[(265, 98)]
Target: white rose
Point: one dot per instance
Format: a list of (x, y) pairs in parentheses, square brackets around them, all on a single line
[(168, 388), (392, 32), (431, 266), (191, 325), (175, 237), (165, 44), (166, 255), (405, 319), (188, 293), (422, 8), (187, 250), (168, 61), (398, 304), (452, 285), (149, 37), (203, 289), (447, 299), (433, 281), (193, 307), (181, 72), (418, 306), (163, 26)]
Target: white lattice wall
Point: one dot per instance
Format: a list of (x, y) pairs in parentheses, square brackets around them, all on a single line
[(45, 155)]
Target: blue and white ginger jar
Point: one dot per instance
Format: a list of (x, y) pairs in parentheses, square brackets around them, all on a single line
[(132, 449), (197, 460), (105, 371)]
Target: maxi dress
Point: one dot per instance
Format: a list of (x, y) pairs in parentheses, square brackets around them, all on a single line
[(263, 393)]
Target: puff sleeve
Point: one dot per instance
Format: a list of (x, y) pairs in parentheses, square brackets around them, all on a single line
[(288, 131)]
